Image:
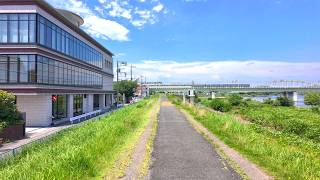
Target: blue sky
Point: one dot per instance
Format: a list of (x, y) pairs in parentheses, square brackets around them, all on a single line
[(163, 38)]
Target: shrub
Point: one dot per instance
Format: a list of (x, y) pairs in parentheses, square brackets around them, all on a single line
[(312, 98), (220, 105), (8, 110), (316, 109), (235, 99), (268, 101), (284, 101), (280, 101)]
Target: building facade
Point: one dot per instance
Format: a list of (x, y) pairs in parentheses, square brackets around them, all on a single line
[(54, 68)]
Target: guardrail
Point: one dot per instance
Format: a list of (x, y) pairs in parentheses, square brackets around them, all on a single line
[(95, 115), (85, 116)]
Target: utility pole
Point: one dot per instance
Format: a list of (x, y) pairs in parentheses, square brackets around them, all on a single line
[(123, 63), (117, 70), (131, 66)]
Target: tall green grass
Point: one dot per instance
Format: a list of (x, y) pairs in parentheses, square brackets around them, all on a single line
[(82, 152), (282, 156), (292, 120)]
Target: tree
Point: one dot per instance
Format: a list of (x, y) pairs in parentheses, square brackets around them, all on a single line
[(8, 110), (126, 87), (312, 99)]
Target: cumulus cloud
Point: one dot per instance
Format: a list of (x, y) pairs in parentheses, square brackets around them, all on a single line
[(227, 71), (95, 25), (158, 7), (137, 13)]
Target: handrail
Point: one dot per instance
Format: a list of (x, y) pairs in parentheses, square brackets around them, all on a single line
[(73, 119)]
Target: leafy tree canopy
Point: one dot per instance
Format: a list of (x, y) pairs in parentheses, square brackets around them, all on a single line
[(126, 87)]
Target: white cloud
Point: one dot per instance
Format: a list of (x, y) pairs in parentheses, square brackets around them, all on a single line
[(227, 71), (158, 7), (118, 11), (99, 28), (138, 13), (93, 24)]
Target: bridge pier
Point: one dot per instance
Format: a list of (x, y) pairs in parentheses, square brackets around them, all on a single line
[(191, 96), (183, 98), (213, 95), (191, 92), (293, 95)]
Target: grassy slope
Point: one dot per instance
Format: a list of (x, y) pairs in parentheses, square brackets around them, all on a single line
[(292, 120), (282, 156), (82, 152)]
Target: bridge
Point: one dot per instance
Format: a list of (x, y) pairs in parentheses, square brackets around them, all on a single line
[(190, 90)]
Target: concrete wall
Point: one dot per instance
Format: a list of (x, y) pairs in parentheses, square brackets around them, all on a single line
[(38, 109), (70, 105), (107, 83), (89, 103), (109, 100), (102, 101)]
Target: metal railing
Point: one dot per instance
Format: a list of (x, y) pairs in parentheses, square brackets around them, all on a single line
[(85, 116)]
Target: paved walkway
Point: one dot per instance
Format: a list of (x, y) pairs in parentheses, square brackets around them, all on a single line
[(182, 153)]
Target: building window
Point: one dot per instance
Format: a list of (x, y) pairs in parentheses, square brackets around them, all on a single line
[(24, 67), (13, 69), (95, 101), (23, 28), (3, 69), (59, 107), (77, 105), (17, 28), (4, 28), (32, 74), (32, 28), (58, 39), (17, 69), (13, 28)]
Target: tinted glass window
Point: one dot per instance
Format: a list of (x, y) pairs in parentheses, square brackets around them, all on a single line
[(24, 66), (13, 27), (3, 69)]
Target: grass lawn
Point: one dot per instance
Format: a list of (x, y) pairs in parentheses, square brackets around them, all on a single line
[(83, 152), (282, 155)]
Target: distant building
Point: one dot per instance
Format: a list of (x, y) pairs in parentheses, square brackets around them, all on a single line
[(55, 69)]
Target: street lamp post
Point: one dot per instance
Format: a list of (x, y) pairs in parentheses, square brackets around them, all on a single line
[(122, 63), (131, 66)]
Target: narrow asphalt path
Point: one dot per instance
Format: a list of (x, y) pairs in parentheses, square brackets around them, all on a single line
[(180, 152)]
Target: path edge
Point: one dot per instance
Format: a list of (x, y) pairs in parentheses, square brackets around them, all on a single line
[(140, 154), (242, 165)]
